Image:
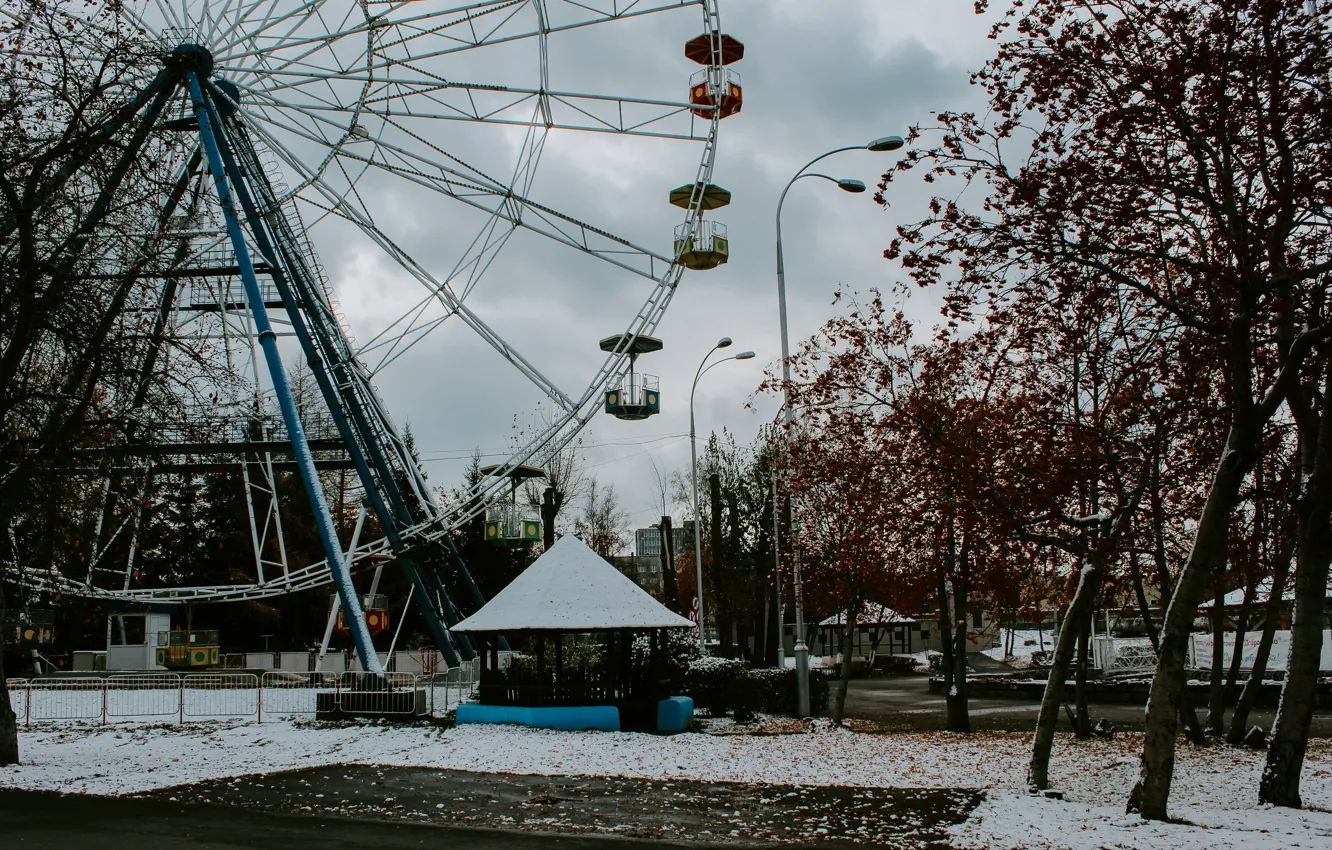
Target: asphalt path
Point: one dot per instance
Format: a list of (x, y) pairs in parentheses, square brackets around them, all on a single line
[(34, 820), (894, 703), (652, 809)]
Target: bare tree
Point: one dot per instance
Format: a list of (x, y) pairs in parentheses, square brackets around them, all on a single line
[(602, 525), (84, 201), (566, 479)]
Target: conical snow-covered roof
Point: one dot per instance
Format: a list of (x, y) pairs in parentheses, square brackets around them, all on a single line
[(571, 588)]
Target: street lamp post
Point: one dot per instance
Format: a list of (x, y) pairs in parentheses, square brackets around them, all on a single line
[(887, 143), (724, 342)]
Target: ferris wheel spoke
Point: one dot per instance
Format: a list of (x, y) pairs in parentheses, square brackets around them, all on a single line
[(243, 30), (554, 111), (169, 13), (404, 332), (472, 179), (267, 65), (396, 95), (210, 19), (553, 224), (437, 288), (587, 15), (562, 429), (414, 25), (445, 295)]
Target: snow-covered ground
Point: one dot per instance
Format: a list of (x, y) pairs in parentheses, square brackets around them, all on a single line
[(1214, 788), (1025, 642)]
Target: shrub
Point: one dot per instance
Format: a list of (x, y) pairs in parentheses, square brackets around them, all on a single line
[(936, 662), (894, 665), (723, 686), (680, 651), (747, 694), (780, 695), (578, 655), (713, 683)]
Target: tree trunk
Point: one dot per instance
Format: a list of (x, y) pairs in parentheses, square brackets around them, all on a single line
[(548, 512), (721, 621), (669, 587), (844, 680), (715, 573), (1239, 721), (1237, 656), (958, 718), (1280, 784), (946, 666), (1151, 794), (1216, 712), (9, 748), (1192, 727), (1082, 729), (1079, 612)]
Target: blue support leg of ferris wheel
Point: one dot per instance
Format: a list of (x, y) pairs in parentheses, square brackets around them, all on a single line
[(293, 284), (351, 604)]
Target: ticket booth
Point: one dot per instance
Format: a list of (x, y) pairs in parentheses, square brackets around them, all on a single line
[(131, 640)]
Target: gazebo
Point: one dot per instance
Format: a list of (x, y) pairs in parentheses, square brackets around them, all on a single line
[(572, 591)]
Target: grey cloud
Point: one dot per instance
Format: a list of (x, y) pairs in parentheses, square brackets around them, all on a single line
[(811, 83)]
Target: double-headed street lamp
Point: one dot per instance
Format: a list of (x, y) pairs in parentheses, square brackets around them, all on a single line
[(724, 342), (887, 143)]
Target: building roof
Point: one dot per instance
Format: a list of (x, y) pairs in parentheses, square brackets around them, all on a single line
[(1262, 591), (873, 614), (571, 588)]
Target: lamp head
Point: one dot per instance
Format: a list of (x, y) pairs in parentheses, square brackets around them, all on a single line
[(724, 342), (855, 187), (887, 143), (744, 355)]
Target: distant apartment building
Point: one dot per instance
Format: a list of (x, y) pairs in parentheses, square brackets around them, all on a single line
[(643, 570), (647, 541), (644, 566)]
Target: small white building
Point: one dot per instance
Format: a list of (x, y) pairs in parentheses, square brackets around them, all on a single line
[(882, 631), (131, 640)]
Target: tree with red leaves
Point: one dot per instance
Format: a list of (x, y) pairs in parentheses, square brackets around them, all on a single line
[(923, 448), (1180, 152)]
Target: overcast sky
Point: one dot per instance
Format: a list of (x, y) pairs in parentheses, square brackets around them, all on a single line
[(817, 74)]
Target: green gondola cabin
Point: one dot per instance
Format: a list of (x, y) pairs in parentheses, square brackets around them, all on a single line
[(32, 629), (177, 650), (636, 395), (507, 524)]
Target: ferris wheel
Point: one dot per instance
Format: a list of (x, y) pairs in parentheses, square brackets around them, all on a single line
[(298, 118)]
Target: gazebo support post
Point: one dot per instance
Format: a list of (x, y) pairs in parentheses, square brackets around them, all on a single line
[(559, 657), (656, 657), (626, 661)]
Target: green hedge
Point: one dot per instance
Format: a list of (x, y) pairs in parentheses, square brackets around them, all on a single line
[(895, 665), (723, 686)]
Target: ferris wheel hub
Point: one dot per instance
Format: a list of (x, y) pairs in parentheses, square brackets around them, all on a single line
[(191, 57)]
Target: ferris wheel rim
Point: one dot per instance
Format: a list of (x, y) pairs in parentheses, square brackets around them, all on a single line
[(577, 412)]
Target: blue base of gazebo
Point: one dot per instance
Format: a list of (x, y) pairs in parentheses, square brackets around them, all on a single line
[(674, 714), (571, 718)]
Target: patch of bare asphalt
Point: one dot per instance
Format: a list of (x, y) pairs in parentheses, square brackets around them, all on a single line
[(659, 809)]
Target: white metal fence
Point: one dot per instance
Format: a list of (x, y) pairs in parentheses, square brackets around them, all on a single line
[(169, 697), (1124, 655)]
